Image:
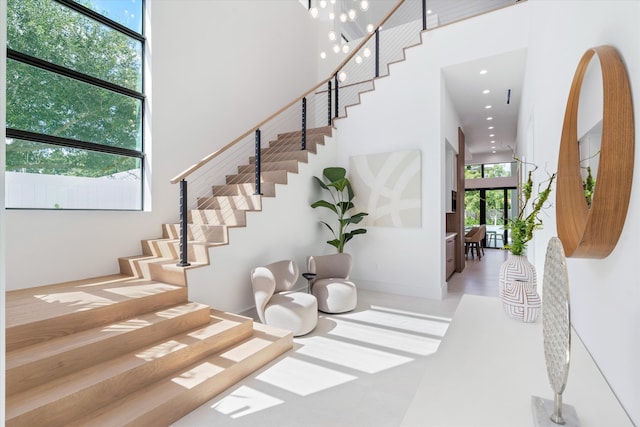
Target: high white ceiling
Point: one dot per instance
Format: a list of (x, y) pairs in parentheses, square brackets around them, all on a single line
[(465, 84), (503, 78)]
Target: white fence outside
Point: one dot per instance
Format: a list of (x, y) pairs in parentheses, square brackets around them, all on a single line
[(121, 191)]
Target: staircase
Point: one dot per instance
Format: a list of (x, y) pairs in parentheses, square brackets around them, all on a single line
[(130, 349)]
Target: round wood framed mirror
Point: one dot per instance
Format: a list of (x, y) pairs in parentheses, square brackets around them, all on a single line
[(592, 232)]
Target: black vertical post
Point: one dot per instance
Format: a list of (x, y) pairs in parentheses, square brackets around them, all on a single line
[(377, 52), (505, 216), (424, 15), (329, 102), (304, 123), (335, 78), (257, 192), (183, 225)]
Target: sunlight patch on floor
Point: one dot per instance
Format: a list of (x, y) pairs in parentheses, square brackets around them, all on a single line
[(358, 357), (393, 340), (410, 313), (244, 401), (303, 378), (399, 321)]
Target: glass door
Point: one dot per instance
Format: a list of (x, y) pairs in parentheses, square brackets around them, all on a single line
[(471, 209), (495, 213), (492, 207)]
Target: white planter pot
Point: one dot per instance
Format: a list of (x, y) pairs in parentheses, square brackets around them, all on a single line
[(518, 289)]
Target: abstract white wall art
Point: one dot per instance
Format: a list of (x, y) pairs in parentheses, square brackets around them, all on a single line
[(387, 186)]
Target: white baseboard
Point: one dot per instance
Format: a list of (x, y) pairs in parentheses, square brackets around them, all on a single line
[(424, 291)]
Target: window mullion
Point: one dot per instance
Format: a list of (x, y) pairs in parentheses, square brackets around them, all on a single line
[(71, 143), (67, 72), (71, 4)]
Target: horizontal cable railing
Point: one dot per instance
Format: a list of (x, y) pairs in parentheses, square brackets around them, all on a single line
[(251, 164)]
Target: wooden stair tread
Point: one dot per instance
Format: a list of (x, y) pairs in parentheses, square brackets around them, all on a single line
[(173, 397), (240, 202), (288, 165), (105, 381), (38, 314), (29, 366), (268, 189), (276, 176), (46, 302), (228, 217)]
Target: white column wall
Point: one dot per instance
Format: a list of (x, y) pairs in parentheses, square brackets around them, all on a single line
[(404, 113), (218, 68), (605, 294), (3, 228)]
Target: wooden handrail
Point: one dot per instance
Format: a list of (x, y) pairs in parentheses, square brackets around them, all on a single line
[(191, 169), (216, 153)]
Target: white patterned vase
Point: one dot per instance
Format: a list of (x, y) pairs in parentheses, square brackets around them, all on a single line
[(517, 289)]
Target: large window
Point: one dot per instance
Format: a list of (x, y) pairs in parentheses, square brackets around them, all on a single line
[(75, 103), (490, 170)]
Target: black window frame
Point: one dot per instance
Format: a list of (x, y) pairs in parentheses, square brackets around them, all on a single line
[(94, 81)]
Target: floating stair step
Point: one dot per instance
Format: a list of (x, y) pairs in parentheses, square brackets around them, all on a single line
[(59, 402), (139, 265), (275, 156), (295, 142), (157, 269), (323, 130), (169, 271), (279, 177), (170, 248), (34, 365), (199, 233), (228, 217), (172, 398), (239, 202), (285, 165), (268, 189), (270, 154), (36, 315)]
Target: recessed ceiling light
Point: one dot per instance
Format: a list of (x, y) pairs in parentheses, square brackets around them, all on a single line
[(486, 91), (494, 151), (492, 135), (429, 12), (483, 71), (489, 118), (493, 142), (490, 127), (487, 106)]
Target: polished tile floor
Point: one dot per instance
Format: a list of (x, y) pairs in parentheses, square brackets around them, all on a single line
[(355, 369)]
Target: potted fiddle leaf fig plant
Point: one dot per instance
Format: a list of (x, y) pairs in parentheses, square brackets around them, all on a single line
[(337, 184)]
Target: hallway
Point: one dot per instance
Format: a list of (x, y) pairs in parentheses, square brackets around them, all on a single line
[(480, 276)]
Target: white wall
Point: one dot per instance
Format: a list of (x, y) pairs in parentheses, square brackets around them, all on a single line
[(404, 113), (500, 157), (218, 68), (605, 294), (3, 228)]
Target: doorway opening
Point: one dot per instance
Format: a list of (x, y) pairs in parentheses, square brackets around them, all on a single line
[(493, 207)]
